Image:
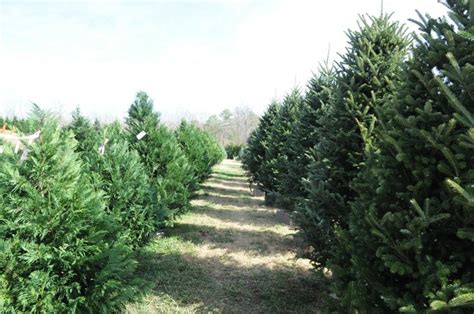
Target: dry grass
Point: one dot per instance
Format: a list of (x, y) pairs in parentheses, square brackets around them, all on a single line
[(231, 254)]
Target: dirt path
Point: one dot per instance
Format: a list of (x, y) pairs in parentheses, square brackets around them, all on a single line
[(231, 254)]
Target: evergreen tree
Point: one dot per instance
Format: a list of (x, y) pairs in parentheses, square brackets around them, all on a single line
[(256, 156), (365, 78), (416, 242), (126, 184), (170, 173), (86, 134), (202, 151), (280, 154), (304, 136), (116, 169), (58, 247)]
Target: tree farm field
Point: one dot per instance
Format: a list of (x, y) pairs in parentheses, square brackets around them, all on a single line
[(230, 253)]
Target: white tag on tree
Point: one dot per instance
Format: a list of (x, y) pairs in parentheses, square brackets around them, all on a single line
[(1, 149), (24, 155), (141, 135), (17, 147), (102, 149)]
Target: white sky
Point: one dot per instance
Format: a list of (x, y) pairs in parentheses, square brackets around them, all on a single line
[(192, 57)]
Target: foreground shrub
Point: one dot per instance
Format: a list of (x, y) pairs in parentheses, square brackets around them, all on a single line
[(116, 169), (58, 247)]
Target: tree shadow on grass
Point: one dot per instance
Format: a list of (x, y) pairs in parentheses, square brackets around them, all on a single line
[(227, 175), (211, 285), (224, 191), (231, 183), (246, 201), (262, 243), (249, 216)]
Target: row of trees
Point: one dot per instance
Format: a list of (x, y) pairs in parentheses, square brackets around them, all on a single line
[(376, 161), (84, 199)]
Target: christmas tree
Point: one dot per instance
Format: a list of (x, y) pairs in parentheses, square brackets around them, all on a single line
[(303, 135), (280, 154), (419, 220), (167, 166), (256, 154), (202, 151), (59, 248)]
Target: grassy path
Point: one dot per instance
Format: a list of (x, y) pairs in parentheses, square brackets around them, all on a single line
[(230, 254)]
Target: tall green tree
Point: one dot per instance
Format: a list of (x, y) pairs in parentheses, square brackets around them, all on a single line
[(366, 77), (280, 154), (169, 170), (304, 136), (413, 250), (256, 154)]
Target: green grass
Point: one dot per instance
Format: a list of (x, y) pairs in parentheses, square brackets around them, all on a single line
[(229, 255)]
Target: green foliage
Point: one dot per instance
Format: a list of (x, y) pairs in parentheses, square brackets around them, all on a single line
[(256, 154), (304, 137), (87, 136), (365, 79), (417, 195), (279, 153), (202, 150), (126, 184), (171, 175), (59, 249), (233, 150), (29, 125), (383, 149), (116, 169)]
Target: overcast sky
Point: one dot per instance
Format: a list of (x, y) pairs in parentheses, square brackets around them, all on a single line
[(198, 57)]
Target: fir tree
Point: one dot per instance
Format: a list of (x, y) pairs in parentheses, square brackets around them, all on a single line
[(365, 77), (256, 155), (418, 231), (304, 136), (118, 171), (280, 154)]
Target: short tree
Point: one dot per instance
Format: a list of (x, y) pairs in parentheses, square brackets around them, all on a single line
[(58, 246)]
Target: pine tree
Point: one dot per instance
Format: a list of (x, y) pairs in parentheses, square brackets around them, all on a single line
[(365, 78), (280, 154), (58, 247), (255, 157), (304, 137), (413, 252), (168, 168)]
